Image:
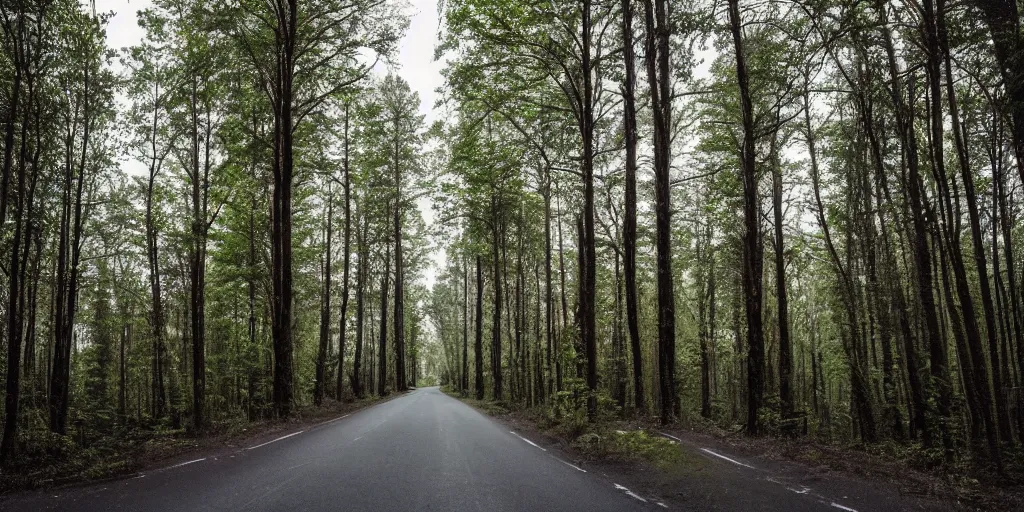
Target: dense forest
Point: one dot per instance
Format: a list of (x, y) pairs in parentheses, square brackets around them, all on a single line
[(795, 217)]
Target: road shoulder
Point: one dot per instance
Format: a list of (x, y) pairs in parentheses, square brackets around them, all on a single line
[(708, 474)]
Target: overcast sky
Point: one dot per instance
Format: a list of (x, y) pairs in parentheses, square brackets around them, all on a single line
[(415, 60), (415, 63)]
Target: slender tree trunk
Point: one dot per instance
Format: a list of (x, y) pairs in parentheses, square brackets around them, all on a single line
[(382, 350), (16, 284), (478, 344), (549, 305), (343, 316), (18, 42), (362, 269), (464, 380), (967, 176), (785, 349), (920, 250), (496, 314), (703, 303), (69, 256), (399, 334), (319, 386), (629, 222), (753, 248), (952, 237), (197, 260), (588, 298), (564, 301)]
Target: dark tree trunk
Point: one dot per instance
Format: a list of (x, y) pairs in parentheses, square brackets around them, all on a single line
[(281, 214), (18, 40), (464, 376), (382, 350), (952, 237), (518, 320), (920, 252), (200, 176), (319, 386), (496, 315), (346, 247), (785, 349), (549, 305), (618, 349), (1005, 227), (399, 334), (588, 297), (967, 176), (478, 344), (656, 21), (629, 222), (122, 376), (16, 265), (753, 249), (705, 302), (70, 248), (357, 358)]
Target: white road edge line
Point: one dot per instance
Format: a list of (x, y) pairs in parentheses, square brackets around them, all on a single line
[(670, 436), (577, 468), (340, 417), (630, 493), (335, 419), (662, 505), (275, 440), (840, 507), (186, 463), (734, 461), (805, 489), (535, 445)]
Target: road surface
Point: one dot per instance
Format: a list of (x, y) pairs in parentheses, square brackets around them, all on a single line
[(423, 451)]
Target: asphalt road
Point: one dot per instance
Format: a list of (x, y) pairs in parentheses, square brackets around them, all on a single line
[(423, 451)]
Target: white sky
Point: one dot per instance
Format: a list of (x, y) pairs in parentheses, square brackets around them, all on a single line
[(415, 63)]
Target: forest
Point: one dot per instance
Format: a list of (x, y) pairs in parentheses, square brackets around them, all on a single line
[(779, 217)]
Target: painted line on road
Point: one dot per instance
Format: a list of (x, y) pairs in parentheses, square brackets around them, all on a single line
[(630, 493), (662, 505), (577, 468), (332, 421), (187, 463), (804, 489), (670, 436), (535, 445), (275, 440), (734, 461), (840, 507)]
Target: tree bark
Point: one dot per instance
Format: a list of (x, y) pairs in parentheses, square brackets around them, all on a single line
[(346, 247), (629, 222), (382, 350), (478, 344), (656, 20), (281, 215), (319, 385), (362, 269), (753, 249)]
